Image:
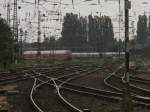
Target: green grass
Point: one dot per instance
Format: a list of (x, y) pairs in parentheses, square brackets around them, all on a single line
[(127, 105), (1, 68)]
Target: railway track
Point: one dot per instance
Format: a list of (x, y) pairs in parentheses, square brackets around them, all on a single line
[(139, 95), (141, 83), (8, 77), (34, 74), (62, 81), (110, 96)]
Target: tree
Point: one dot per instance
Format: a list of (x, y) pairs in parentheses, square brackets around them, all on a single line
[(149, 27), (108, 34), (127, 105), (52, 43), (74, 32), (95, 32), (142, 29), (101, 35), (46, 43), (91, 29), (67, 31), (6, 43)]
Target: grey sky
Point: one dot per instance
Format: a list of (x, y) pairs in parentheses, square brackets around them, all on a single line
[(109, 8)]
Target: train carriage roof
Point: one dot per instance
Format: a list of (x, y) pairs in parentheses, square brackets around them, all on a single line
[(48, 52)]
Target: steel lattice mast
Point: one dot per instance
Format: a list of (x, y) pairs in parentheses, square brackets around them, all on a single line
[(15, 32)]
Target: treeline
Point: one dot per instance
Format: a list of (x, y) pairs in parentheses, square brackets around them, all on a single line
[(84, 34), (141, 44), (87, 33), (6, 44), (143, 28)]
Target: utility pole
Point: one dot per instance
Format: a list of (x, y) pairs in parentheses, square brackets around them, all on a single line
[(73, 3), (98, 1), (37, 2), (119, 28), (8, 13), (15, 33), (127, 55), (133, 30), (39, 35), (21, 45), (25, 39)]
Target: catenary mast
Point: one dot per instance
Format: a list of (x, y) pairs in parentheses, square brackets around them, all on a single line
[(15, 33)]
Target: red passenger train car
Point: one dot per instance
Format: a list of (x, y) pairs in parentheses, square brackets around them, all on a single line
[(47, 55)]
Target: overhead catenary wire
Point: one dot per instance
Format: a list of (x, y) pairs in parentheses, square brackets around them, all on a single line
[(67, 4)]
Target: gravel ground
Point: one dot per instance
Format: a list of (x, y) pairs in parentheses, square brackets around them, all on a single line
[(47, 98), (92, 103), (95, 80), (141, 85), (95, 104), (49, 102), (20, 102)]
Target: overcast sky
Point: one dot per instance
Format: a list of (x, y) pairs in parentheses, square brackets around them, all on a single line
[(28, 12)]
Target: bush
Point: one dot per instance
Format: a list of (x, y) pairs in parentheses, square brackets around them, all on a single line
[(127, 104)]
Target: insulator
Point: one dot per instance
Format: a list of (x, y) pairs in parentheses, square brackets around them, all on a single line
[(73, 3), (19, 7), (98, 1)]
